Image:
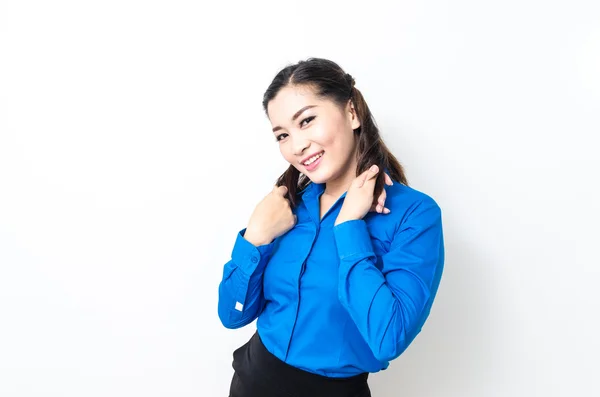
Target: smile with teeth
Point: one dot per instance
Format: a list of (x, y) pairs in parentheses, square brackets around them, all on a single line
[(313, 159)]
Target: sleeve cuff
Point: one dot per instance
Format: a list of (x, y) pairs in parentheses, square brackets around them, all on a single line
[(352, 238), (249, 258)]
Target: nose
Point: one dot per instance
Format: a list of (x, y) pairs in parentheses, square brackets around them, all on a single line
[(299, 145)]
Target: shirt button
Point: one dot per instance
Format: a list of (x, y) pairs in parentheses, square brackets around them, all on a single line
[(254, 259)]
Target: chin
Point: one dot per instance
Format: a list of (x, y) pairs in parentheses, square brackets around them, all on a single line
[(317, 180), (318, 176)]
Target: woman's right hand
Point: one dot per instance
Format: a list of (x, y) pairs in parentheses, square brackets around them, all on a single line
[(271, 218)]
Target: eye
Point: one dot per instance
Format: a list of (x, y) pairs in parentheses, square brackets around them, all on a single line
[(307, 119), (280, 137)]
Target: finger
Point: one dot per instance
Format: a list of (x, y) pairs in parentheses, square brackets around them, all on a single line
[(382, 197), (368, 174), (380, 209), (282, 190), (380, 201), (372, 173), (388, 180)]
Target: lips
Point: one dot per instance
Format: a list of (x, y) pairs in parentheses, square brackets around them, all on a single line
[(309, 157), (313, 166)]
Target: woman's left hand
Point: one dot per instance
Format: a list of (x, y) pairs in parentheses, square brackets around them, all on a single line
[(359, 198)]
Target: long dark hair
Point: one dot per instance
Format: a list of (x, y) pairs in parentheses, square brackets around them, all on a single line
[(329, 81)]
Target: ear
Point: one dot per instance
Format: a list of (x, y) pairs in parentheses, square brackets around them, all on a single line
[(352, 115)]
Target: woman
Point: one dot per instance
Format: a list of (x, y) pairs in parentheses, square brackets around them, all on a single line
[(341, 261)]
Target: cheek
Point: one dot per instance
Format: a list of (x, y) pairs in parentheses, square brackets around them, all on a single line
[(286, 153), (333, 140), (325, 139)]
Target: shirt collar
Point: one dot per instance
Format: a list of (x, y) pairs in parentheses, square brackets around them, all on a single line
[(310, 199), (313, 189)]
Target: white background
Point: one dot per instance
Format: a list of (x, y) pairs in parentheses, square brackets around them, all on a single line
[(133, 148)]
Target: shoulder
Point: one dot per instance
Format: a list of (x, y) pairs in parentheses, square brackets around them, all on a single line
[(406, 198), (408, 205)]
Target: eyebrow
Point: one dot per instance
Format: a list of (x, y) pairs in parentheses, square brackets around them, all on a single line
[(296, 115)]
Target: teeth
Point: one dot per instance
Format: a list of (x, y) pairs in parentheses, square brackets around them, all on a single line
[(312, 159)]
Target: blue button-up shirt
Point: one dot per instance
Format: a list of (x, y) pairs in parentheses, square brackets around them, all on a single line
[(339, 300)]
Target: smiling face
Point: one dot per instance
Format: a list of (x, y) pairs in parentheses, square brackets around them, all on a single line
[(315, 135)]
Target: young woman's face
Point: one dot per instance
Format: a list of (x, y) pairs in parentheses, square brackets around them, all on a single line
[(314, 135)]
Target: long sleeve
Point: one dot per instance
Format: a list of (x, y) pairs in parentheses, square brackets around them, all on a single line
[(388, 305), (240, 290)]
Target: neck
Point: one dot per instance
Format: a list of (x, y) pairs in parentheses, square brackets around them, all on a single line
[(336, 187)]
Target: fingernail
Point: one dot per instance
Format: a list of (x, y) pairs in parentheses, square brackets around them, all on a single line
[(373, 168), (386, 210)]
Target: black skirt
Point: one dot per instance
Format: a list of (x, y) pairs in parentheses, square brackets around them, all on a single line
[(258, 373)]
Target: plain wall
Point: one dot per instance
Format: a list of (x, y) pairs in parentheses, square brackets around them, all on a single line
[(133, 148)]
